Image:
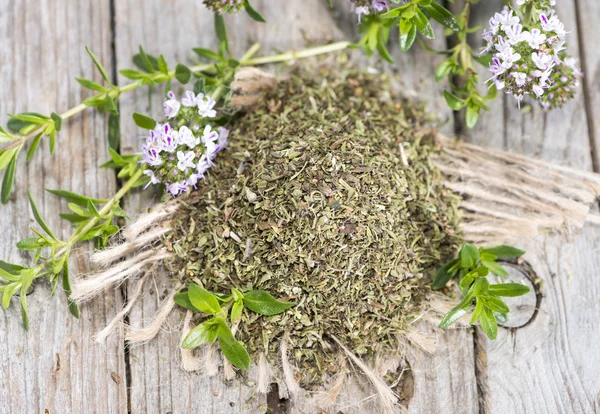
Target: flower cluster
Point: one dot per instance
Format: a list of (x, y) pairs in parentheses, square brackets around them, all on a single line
[(365, 7), (224, 6), (531, 59), (179, 152)]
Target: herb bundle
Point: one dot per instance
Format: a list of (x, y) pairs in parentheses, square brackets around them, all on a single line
[(326, 197)]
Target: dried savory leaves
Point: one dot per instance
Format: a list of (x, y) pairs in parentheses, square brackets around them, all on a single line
[(325, 197)]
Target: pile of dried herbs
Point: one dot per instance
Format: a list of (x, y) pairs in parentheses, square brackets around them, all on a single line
[(316, 202)]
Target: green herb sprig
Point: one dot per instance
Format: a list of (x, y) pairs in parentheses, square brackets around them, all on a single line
[(224, 307), (472, 268)]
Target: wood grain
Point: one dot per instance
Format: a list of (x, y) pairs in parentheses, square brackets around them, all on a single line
[(55, 366), (546, 366)]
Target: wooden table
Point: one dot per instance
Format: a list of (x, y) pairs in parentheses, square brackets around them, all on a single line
[(551, 366)]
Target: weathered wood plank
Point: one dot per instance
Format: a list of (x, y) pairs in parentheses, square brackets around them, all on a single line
[(56, 366), (588, 15), (546, 366)]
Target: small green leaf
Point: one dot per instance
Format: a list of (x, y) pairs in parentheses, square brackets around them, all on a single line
[(488, 323), (92, 208), (114, 131), (495, 304), (205, 332), (34, 146), (472, 115), (98, 64), (443, 70), (408, 34), (132, 74), (86, 83), (441, 15), (495, 268), (30, 243), (38, 216), (207, 54), (477, 311), (225, 333), (148, 62), (144, 121), (453, 101), (9, 291), (162, 65), (444, 274), (480, 286), (382, 49), (9, 179), (469, 256), (262, 302), (508, 289), (203, 300), (66, 282), (236, 310), (6, 157), (183, 300), (221, 31), (423, 25), (75, 198), (236, 354), (182, 73), (253, 13), (505, 252), (57, 121)]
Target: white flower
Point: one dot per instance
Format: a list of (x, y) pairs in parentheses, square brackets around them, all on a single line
[(190, 99), (520, 78), (171, 106), (538, 90), (209, 135), (153, 178), (516, 34), (186, 137), (203, 165), (509, 57), (185, 160), (535, 38), (541, 60), (205, 106), (362, 10), (522, 2)]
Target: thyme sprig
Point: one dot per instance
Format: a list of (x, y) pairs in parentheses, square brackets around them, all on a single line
[(479, 296), (223, 307)]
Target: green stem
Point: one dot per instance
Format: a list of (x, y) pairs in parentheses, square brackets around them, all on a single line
[(66, 248), (246, 60), (284, 57)]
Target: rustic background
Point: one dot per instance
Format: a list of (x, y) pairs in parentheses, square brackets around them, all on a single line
[(550, 366)]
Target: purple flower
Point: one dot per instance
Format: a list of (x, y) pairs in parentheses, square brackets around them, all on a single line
[(151, 156), (176, 188), (379, 5), (223, 136)]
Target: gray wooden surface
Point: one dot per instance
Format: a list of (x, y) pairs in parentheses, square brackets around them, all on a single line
[(552, 365)]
